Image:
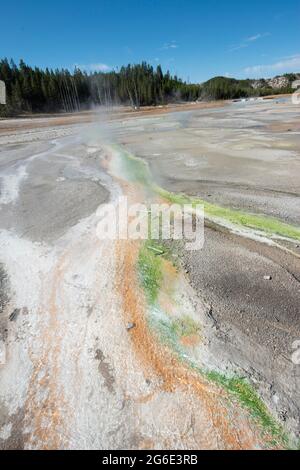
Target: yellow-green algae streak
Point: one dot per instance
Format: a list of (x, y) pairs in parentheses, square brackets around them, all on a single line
[(170, 331), (138, 171), (150, 273)]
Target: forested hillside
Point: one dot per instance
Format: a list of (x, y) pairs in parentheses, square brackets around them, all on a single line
[(35, 90), (223, 88)]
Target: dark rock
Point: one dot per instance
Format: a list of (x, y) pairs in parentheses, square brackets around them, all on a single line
[(13, 316)]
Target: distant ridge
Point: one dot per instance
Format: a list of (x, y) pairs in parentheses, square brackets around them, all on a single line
[(31, 89), (230, 88)]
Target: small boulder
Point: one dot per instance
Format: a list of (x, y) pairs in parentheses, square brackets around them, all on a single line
[(130, 326), (13, 316)]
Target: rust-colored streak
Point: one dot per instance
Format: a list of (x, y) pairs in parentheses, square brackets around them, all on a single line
[(171, 373), (45, 399), (231, 425)]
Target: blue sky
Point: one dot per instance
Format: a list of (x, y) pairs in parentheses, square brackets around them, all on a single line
[(195, 39)]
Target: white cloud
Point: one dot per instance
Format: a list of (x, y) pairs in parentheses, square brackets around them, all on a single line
[(255, 37), (237, 47), (291, 63), (169, 45), (97, 67), (248, 41)]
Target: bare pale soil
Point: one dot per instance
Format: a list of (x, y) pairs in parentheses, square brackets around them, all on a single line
[(73, 374)]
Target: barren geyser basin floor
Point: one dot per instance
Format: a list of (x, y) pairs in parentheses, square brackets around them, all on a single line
[(132, 344)]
